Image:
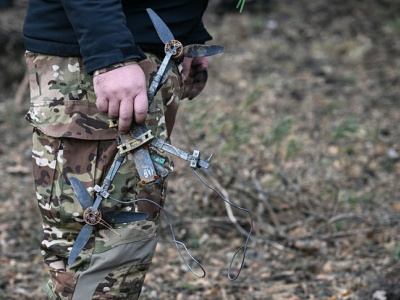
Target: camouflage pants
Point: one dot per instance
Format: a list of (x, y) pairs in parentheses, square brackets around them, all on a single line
[(72, 139)]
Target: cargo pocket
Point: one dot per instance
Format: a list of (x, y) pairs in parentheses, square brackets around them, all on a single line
[(46, 151), (62, 99)]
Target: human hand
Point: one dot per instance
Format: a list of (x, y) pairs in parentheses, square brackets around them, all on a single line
[(194, 76), (122, 93)]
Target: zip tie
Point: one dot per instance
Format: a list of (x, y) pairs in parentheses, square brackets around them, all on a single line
[(101, 191)]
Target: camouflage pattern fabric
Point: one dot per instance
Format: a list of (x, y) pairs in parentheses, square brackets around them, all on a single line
[(71, 138)]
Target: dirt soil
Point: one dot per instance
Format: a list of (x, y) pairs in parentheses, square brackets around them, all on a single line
[(302, 116)]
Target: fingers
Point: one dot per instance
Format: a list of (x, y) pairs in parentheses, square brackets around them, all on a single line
[(140, 107), (197, 78), (125, 115), (114, 108), (122, 95), (186, 65), (200, 63), (131, 110), (126, 111), (197, 85), (102, 104)]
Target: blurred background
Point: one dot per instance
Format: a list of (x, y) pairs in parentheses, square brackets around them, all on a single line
[(301, 114)]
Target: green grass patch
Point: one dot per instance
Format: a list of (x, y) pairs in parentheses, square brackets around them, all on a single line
[(279, 131), (292, 149), (346, 128)]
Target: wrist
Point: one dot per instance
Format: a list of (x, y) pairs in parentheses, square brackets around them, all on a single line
[(114, 66)]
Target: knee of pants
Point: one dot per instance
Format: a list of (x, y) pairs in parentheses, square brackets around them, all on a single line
[(115, 268)]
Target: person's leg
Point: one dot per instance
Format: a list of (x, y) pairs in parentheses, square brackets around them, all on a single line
[(114, 262)]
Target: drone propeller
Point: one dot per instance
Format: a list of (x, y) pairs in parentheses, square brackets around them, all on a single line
[(166, 36), (92, 218)]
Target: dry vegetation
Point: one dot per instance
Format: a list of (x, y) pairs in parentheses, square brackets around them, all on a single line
[(302, 116)]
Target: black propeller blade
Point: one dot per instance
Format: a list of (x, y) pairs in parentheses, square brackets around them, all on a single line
[(81, 241), (198, 50), (162, 29), (94, 217), (86, 202), (118, 217), (81, 193)]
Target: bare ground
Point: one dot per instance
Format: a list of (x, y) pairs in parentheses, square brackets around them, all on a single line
[(302, 116)]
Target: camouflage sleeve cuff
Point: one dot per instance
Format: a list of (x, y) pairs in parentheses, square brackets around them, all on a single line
[(114, 66)]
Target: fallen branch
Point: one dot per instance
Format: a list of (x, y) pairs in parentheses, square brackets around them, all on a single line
[(229, 211), (264, 198), (345, 216), (342, 234)]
